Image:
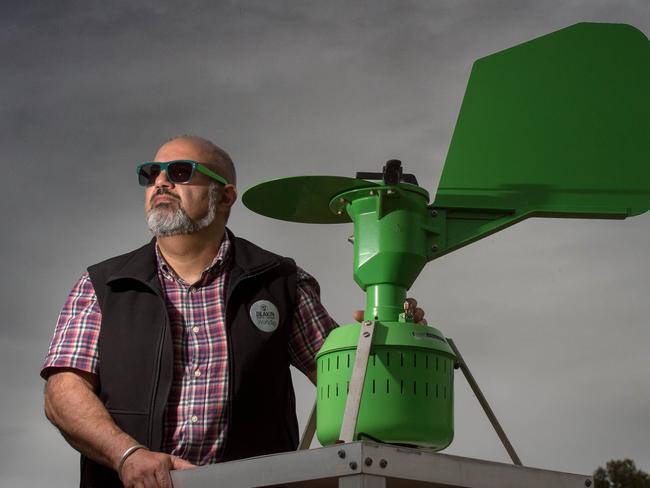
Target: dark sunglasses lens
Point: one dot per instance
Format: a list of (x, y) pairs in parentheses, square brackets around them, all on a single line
[(180, 172), (148, 174)]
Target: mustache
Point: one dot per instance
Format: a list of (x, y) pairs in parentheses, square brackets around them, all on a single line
[(163, 191)]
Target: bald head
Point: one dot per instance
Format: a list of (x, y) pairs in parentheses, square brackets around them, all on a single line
[(213, 156)]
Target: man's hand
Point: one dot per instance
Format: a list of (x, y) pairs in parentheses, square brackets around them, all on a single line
[(150, 469), (418, 313)]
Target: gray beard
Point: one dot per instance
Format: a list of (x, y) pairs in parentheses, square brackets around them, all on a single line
[(164, 222)]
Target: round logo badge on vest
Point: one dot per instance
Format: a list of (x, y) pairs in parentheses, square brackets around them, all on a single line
[(265, 315)]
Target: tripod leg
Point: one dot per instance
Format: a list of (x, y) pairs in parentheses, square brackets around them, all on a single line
[(484, 403), (310, 428)]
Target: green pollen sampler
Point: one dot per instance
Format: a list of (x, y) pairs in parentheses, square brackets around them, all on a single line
[(555, 127)]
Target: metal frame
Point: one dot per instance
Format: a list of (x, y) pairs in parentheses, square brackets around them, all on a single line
[(366, 464), (484, 403), (357, 380)]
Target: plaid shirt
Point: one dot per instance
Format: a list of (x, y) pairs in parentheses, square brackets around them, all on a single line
[(195, 421)]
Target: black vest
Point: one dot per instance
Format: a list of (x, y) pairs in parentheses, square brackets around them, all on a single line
[(136, 363)]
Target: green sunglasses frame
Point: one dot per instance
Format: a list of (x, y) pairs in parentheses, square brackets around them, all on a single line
[(195, 166)]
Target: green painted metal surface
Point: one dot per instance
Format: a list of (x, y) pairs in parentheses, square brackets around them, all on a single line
[(391, 242), (558, 126), (408, 392), (301, 198)]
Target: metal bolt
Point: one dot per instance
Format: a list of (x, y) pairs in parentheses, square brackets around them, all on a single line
[(368, 461), (353, 465), (383, 463), (339, 212), (434, 213), (341, 453), (434, 248), (587, 483), (390, 192), (343, 201), (366, 334), (372, 193), (367, 322)]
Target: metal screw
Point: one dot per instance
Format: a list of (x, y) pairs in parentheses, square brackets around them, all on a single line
[(390, 192), (339, 212), (351, 239), (587, 483), (367, 322), (383, 463), (434, 248), (434, 213), (366, 334), (353, 465), (343, 201), (372, 193), (341, 453), (368, 461)]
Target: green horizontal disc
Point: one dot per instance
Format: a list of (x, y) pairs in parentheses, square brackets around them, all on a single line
[(302, 198)]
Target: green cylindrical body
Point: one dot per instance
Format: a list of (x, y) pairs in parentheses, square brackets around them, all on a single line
[(384, 302), (408, 392), (390, 245)]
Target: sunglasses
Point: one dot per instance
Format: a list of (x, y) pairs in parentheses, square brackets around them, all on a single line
[(178, 172)]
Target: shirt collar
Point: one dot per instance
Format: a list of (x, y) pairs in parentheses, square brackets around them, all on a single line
[(223, 255)]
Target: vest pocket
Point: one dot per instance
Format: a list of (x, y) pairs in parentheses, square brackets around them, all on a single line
[(133, 423)]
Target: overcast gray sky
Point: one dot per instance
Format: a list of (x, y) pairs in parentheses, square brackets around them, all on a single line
[(551, 315)]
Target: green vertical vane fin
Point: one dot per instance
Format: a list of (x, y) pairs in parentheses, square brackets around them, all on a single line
[(557, 126)]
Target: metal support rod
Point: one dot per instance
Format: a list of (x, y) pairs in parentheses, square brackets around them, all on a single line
[(310, 428), (357, 379), (484, 403)]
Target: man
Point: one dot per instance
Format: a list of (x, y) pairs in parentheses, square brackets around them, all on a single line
[(177, 354)]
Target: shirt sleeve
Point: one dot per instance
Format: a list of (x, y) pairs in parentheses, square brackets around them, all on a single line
[(74, 344), (311, 324)]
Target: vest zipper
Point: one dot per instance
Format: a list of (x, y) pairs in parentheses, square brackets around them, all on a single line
[(231, 381), (154, 393)]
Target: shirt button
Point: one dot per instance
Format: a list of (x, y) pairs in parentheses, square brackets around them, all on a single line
[(197, 373), (192, 289), (194, 419), (195, 329)]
